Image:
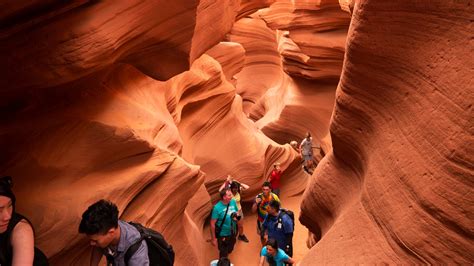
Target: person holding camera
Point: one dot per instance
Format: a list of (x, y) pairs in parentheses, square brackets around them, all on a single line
[(223, 223), (261, 204)]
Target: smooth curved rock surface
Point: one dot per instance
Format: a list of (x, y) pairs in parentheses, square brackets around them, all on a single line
[(61, 44), (85, 116), (397, 186), (313, 43)]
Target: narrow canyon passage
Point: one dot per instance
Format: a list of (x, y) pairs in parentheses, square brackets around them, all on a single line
[(151, 104), (249, 253)]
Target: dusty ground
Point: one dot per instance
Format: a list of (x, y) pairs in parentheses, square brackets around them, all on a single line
[(248, 254)]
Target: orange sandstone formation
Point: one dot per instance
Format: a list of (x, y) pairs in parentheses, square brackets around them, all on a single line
[(151, 104), (397, 186)]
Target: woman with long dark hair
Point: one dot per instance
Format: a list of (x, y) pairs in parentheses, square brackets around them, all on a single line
[(275, 256), (16, 232)]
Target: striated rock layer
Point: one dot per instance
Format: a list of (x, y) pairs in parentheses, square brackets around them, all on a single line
[(397, 187), (313, 39), (62, 43)]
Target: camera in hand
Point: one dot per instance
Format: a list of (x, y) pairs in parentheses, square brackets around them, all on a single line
[(236, 216)]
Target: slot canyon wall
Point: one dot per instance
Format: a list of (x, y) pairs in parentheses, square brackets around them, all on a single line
[(397, 186), (151, 104)]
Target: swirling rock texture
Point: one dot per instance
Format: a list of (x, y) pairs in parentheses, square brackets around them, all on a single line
[(84, 116), (397, 187), (151, 104)]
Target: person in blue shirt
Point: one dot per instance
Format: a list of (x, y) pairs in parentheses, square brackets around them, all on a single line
[(110, 236), (278, 225), (274, 255), (224, 218)]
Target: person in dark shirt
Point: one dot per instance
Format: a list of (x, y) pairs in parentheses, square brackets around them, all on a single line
[(279, 226), (17, 245)]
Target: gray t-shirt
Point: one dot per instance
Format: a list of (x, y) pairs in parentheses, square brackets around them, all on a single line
[(307, 146), (128, 235)]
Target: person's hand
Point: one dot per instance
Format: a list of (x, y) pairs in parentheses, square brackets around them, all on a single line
[(258, 200), (214, 241), (265, 238)]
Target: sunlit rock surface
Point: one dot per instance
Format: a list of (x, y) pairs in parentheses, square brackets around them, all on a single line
[(398, 186), (312, 46), (152, 104)]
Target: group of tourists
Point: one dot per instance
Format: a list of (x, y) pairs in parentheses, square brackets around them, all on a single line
[(275, 225), (128, 243)]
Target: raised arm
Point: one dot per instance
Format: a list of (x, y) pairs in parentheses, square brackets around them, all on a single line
[(223, 186), (244, 186), (23, 244)]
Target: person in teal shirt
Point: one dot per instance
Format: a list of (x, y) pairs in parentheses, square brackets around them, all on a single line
[(274, 255), (224, 216)]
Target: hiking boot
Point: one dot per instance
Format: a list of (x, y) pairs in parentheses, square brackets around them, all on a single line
[(243, 238)]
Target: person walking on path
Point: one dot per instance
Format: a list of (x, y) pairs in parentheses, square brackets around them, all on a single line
[(306, 149), (279, 226), (261, 205), (274, 255), (223, 219), (274, 179)]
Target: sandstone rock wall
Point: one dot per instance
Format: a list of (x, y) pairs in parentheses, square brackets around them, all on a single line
[(397, 186), (151, 104)]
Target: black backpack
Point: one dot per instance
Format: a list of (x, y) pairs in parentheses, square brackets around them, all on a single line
[(289, 247), (159, 251), (289, 213)]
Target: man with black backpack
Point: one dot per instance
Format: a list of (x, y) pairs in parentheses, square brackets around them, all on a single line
[(122, 243), (223, 223), (279, 224)]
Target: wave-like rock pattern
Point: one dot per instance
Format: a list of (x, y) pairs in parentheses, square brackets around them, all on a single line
[(397, 187), (119, 134), (314, 36), (63, 43)]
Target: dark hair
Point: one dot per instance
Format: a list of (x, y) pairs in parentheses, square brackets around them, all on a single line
[(6, 184), (99, 218), (267, 184), (223, 192), (274, 204), (272, 243), (224, 261), (235, 185)]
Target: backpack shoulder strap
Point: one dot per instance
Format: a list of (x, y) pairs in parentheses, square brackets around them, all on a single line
[(135, 246), (225, 214)]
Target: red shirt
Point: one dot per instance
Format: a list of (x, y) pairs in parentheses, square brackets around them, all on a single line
[(275, 179)]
